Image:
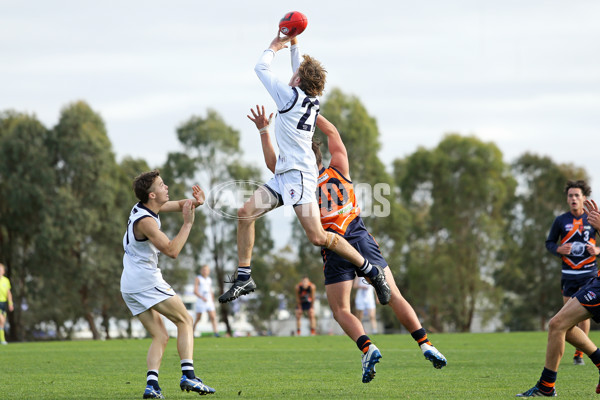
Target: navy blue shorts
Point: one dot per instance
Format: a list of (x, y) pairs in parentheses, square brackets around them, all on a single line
[(570, 286), (337, 269), (589, 297), (305, 305), (3, 307)]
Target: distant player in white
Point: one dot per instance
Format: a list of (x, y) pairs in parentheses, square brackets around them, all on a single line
[(143, 288), (295, 178), (364, 302), (205, 298)]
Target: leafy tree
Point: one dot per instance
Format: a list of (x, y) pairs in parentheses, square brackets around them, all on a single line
[(457, 193), (531, 275), (87, 224), (27, 178)]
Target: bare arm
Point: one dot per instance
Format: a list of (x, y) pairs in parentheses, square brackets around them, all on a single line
[(177, 205), (147, 227), (11, 306), (298, 300), (262, 124), (339, 155)]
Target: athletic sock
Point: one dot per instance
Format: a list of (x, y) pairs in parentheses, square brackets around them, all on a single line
[(578, 353), (243, 273), (2, 339), (368, 270), (187, 368), (298, 332), (595, 357), (313, 331), (363, 343), (420, 336), (152, 379), (547, 381)]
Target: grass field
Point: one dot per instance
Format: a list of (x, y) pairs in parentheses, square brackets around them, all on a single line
[(480, 366)]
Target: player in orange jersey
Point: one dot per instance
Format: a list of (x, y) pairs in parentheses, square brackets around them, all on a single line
[(340, 214), (305, 303), (564, 326), (576, 247)]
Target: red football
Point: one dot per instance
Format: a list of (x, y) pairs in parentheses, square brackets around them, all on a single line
[(293, 23)]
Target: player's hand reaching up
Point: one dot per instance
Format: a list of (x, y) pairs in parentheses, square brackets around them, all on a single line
[(260, 118), (279, 42), (593, 213), (198, 195), (188, 212)]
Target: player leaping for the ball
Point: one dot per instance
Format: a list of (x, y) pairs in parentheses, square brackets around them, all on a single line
[(340, 214), (295, 179)]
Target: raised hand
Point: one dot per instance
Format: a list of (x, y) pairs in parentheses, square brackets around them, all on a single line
[(259, 117), (198, 195)]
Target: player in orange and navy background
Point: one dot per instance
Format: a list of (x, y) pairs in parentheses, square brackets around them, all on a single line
[(340, 214), (305, 303), (577, 247)]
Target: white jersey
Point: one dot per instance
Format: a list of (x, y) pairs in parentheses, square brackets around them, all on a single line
[(140, 262), (296, 117), (204, 287)]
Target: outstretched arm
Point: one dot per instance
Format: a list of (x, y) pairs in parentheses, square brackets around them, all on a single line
[(281, 92), (339, 155), (262, 124), (177, 205), (147, 227)]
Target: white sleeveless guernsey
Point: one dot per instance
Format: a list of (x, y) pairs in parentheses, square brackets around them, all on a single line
[(140, 262)]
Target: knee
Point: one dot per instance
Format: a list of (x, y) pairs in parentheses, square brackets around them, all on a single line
[(317, 238), (555, 324), (246, 214)]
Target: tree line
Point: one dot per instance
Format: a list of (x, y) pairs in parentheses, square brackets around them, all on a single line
[(464, 232)]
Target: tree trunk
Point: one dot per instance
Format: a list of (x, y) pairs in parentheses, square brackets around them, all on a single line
[(88, 315)]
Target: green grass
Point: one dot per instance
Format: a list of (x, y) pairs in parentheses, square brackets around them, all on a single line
[(480, 366)]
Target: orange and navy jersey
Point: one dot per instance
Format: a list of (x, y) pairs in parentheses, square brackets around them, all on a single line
[(575, 230), (337, 201), (305, 293)]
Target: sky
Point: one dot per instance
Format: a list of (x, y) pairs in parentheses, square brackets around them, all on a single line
[(522, 74)]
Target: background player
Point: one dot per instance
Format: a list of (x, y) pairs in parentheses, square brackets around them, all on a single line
[(305, 304), (6, 301), (143, 288), (342, 217), (585, 303), (364, 302), (295, 172), (577, 247), (205, 301)]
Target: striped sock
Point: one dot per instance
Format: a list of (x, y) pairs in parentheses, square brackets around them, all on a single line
[(187, 368), (547, 381), (363, 343), (152, 379), (420, 336), (595, 357), (243, 273), (368, 270)]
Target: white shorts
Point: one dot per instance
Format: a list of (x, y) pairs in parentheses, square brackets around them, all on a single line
[(204, 306), (294, 187), (142, 301), (365, 299)]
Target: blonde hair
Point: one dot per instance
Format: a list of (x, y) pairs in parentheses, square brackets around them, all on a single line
[(312, 76)]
